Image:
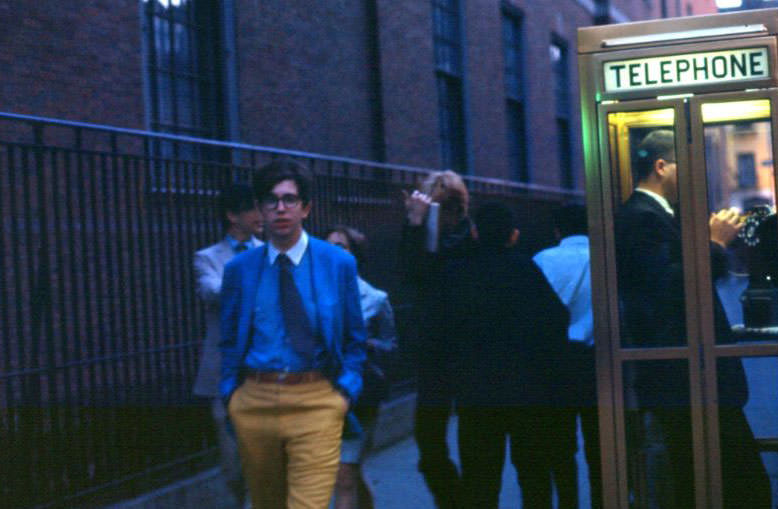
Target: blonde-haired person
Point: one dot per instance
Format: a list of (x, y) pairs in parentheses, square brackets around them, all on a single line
[(351, 490), (428, 274)]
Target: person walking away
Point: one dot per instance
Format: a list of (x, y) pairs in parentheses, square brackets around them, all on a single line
[(567, 269), (506, 326)]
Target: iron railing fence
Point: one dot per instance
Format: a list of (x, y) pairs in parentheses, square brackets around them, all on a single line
[(99, 325)]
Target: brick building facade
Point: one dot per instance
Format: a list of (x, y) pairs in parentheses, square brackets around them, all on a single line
[(488, 87), (98, 311)]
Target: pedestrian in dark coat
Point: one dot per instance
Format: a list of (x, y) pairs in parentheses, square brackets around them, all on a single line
[(507, 327), (424, 270)]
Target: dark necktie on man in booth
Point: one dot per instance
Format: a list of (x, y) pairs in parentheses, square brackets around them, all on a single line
[(298, 327)]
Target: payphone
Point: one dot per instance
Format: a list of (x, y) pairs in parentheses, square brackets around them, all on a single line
[(679, 128)]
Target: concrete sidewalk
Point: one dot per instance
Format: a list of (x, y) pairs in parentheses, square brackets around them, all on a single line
[(390, 471), (397, 484)]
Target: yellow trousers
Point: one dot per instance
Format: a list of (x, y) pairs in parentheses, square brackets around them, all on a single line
[(289, 441)]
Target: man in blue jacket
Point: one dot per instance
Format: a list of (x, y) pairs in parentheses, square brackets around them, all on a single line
[(292, 348)]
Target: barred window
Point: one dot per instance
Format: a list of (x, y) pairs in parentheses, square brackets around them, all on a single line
[(183, 68), (561, 78), (561, 85), (449, 74), (514, 94), (448, 42), (746, 170)]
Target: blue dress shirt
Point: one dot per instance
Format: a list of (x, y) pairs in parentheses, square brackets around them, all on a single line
[(270, 350), (235, 243)]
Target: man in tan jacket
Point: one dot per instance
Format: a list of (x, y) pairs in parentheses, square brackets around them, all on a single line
[(243, 225)]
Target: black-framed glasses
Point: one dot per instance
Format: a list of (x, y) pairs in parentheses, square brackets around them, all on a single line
[(271, 201)]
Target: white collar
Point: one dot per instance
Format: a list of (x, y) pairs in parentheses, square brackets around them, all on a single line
[(659, 198), (295, 253)]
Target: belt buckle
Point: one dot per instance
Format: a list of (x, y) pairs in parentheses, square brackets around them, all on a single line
[(282, 376)]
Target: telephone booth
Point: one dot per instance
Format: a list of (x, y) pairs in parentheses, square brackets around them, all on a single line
[(684, 402)]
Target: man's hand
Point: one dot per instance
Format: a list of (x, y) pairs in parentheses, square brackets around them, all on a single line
[(724, 226), (417, 204)]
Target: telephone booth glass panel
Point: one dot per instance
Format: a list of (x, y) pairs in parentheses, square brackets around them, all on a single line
[(627, 131), (658, 434), (741, 181), (740, 175), (753, 460)]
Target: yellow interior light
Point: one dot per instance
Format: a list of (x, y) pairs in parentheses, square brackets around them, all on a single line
[(737, 110), (619, 124), (663, 117)]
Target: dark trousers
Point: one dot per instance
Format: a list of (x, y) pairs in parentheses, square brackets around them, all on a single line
[(542, 447), (590, 426), (744, 479), (434, 403), (583, 402)]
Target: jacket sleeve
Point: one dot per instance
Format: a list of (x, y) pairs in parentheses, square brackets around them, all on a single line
[(386, 330), (209, 283), (416, 263), (230, 316), (552, 315), (654, 261), (349, 380), (718, 261)]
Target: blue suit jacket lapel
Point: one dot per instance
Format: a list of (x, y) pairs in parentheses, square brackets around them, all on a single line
[(253, 273), (322, 288)]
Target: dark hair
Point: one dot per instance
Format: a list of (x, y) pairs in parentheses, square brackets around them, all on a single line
[(235, 198), (658, 144), (269, 175), (495, 222), (570, 219), (357, 242)]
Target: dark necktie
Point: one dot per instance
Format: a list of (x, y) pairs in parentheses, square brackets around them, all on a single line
[(296, 322)]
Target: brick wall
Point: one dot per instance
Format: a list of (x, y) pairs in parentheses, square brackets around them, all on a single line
[(307, 77), (74, 61), (408, 82), (485, 88), (304, 75), (637, 10), (539, 25)]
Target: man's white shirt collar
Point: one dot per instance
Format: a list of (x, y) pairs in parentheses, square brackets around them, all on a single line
[(295, 253), (659, 198)]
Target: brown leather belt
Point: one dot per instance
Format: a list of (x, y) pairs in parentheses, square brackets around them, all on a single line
[(283, 377)]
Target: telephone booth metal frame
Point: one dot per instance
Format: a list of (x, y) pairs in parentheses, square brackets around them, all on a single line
[(638, 67)]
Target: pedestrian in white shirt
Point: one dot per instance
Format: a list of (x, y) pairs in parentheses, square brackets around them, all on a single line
[(566, 266)]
